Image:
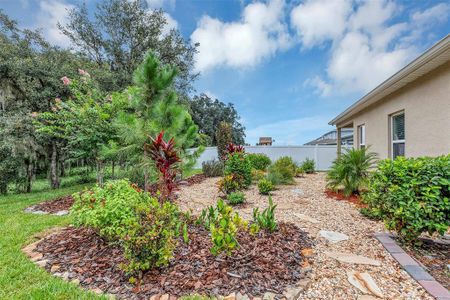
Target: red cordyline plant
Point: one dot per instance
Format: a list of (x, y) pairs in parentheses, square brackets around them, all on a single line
[(166, 160), (232, 148)]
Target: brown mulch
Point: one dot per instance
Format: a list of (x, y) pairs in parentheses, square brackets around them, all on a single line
[(435, 257), (266, 262), (56, 205), (355, 199), (195, 179)]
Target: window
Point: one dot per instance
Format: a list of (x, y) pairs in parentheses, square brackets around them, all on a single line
[(398, 135), (362, 136)]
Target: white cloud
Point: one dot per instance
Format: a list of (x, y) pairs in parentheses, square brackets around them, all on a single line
[(366, 47), (259, 34), (51, 12), (437, 13), (155, 4), (319, 20), (289, 132), (171, 24)]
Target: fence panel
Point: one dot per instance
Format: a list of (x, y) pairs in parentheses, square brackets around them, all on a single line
[(321, 154)]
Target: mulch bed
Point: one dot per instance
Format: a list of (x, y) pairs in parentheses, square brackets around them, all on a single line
[(355, 199), (267, 262), (195, 179), (435, 257), (56, 205)]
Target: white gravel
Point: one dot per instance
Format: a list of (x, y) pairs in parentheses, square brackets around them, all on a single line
[(329, 276)]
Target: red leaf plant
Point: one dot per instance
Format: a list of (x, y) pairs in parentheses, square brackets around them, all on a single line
[(166, 159), (232, 148)]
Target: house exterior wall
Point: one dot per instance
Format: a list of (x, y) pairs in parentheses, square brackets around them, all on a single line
[(426, 104)]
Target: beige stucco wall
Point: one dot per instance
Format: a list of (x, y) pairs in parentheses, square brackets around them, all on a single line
[(426, 103)]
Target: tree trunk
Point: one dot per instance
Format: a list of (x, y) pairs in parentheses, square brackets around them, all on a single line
[(54, 180), (100, 172), (146, 187), (29, 172), (62, 168)]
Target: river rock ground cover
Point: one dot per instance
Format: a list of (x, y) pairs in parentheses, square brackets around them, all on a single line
[(306, 205)]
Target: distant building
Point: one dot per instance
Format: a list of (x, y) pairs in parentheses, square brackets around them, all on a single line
[(330, 138), (265, 141)]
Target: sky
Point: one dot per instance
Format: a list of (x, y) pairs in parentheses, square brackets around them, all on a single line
[(289, 67)]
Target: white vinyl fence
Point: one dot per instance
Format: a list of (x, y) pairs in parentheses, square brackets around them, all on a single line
[(321, 154)]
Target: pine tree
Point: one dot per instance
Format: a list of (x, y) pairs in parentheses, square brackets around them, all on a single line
[(154, 107)]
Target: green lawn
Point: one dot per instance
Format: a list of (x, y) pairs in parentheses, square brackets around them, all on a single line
[(19, 277)]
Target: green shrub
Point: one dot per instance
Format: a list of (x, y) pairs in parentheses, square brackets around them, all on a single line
[(229, 184), (235, 198), (223, 232), (266, 219), (257, 175), (152, 240), (282, 171), (259, 161), (108, 210), (350, 170), (412, 195), (122, 213), (208, 216), (308, 166), (299, 172), (265, 186), (239, 166), (212, 168)]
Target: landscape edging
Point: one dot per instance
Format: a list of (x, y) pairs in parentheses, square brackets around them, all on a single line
[(413, 268)]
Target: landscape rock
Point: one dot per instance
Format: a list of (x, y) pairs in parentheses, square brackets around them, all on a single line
[(61, 213), (364, 282), (306, 218), (269, 296), (240, 296), (35, 256), (307, 252), (333, 236), (292, 293), (298, 192), (55, 268), (352, 258), (42, 263), (231, 296)]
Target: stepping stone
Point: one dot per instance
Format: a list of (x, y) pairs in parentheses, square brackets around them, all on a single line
[(364, 282), (333, 236), (352, 259), (298, 192), (306, 218)]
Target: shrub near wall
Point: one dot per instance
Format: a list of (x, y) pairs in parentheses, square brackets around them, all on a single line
[(259, 161), (411, 195)]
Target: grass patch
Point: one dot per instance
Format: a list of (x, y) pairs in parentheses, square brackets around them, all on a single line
[(19, 277)]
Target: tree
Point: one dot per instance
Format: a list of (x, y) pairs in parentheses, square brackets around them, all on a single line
[(153, 107), (208, 113), (224, 138), (119, 35), (30, 69)]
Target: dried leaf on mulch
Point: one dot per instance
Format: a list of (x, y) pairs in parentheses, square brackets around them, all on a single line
[(264, 262)]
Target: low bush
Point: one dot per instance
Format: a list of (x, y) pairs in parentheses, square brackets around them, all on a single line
[(108, 210), (299, 172), (257, 175), (265, 186), (266, 218), (411, 195), (224, 230), (282, 171), (350, 171), (151, 241), (238, 165), (120, 212), (308, 166), (212, 168), (259, 161), (229, 184), (236, 198)]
